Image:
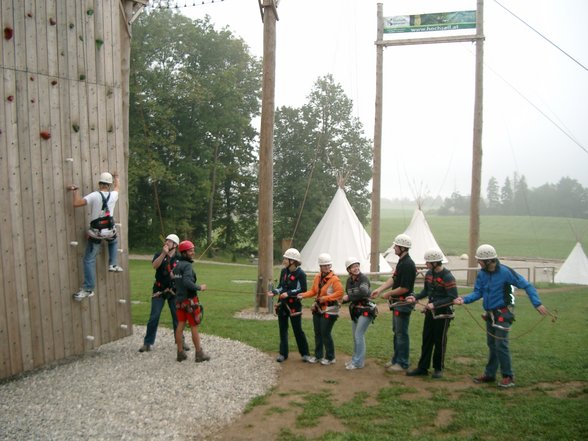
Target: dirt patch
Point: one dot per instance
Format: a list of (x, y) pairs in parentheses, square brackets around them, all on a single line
[(280, 409), (569, 390)]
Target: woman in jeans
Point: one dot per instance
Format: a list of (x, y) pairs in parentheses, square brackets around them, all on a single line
[(361, 310)]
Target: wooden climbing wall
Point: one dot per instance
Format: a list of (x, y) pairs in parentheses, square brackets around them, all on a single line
[(63, 120)]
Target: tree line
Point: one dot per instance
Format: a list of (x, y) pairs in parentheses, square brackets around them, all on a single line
[(566, 198), (194, 95)]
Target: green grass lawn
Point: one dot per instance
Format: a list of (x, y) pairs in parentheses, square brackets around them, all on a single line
[(520, 236), (552, 352)]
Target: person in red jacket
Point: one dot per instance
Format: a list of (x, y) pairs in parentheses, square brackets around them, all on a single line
[(327, 290)]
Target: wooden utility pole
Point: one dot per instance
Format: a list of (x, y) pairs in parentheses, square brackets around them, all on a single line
[(477, 145), (265, 236), (377, 159)]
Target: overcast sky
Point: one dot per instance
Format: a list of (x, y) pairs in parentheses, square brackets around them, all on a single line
[(429, 89)]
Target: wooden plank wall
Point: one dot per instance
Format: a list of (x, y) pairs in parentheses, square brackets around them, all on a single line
[(62, 122)]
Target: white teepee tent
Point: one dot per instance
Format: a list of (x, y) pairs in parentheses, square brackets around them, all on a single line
[(575, 268), (422, 240), (341, 234)]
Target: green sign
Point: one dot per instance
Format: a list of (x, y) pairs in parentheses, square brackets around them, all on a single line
[(441, 21)]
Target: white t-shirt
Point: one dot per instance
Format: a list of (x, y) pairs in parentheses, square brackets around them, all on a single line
[(94, 201)]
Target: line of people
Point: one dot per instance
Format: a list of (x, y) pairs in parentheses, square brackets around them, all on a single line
[(176, 284), (493, 284)]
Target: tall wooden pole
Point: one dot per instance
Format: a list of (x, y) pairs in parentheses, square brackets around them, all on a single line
[(377, 153), (266, 145), (477, 145)]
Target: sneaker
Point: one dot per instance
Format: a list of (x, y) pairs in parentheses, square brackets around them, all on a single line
[(115, 269), (311, 360), (484, 379), (181, 356), (388, 364), (145, 348), (437, 374), (280, 358), (506, 382), (306, 358), (82, 294), (352, 367), (326, 362), (395, 368), (417, 372)]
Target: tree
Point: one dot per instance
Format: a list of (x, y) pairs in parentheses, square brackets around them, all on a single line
[(194, 91), (520, 196), (507, 196), (317, 146), (493, 195)]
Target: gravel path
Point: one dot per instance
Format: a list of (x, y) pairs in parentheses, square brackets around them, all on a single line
[(115, 392)]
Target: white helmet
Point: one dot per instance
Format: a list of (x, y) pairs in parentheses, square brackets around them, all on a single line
[(402, 240), (434, 255), (325, 259), (105, 178), (486, 252), (350, 261), (174, 238), (293, 254)]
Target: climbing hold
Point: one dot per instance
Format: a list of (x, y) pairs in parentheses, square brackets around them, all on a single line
[(8, 33), (45, 135)]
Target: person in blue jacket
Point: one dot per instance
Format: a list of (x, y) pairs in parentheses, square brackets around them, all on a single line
[(494, 286)]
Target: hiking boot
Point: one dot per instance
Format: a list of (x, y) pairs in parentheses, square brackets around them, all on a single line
[(417, 372), (437, 374), (181, 356), (484, 379), (326, 362), (200, 356), (280, 358), (145, 348), (507, 381), (395, 368), (82, 294), (115, 269)]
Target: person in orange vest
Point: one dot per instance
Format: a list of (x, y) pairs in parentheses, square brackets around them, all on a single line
[(327, 291)]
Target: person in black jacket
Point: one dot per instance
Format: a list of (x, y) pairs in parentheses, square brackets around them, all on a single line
[(164, 291), (188, 307), (361, 310), (289, 307), (441, 290)]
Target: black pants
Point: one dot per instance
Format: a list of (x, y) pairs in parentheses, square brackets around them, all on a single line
[(434, 342), (298, 333), (322, 336)]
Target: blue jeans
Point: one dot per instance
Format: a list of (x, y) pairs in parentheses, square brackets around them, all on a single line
[(322, 336), (499, 354), (92, 250), (358, 328), (400, 324), (157, 304)]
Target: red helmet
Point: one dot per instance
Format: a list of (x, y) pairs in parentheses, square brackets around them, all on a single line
[(185, 245)]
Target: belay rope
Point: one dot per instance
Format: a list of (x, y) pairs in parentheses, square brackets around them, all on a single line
[(528, 331)]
